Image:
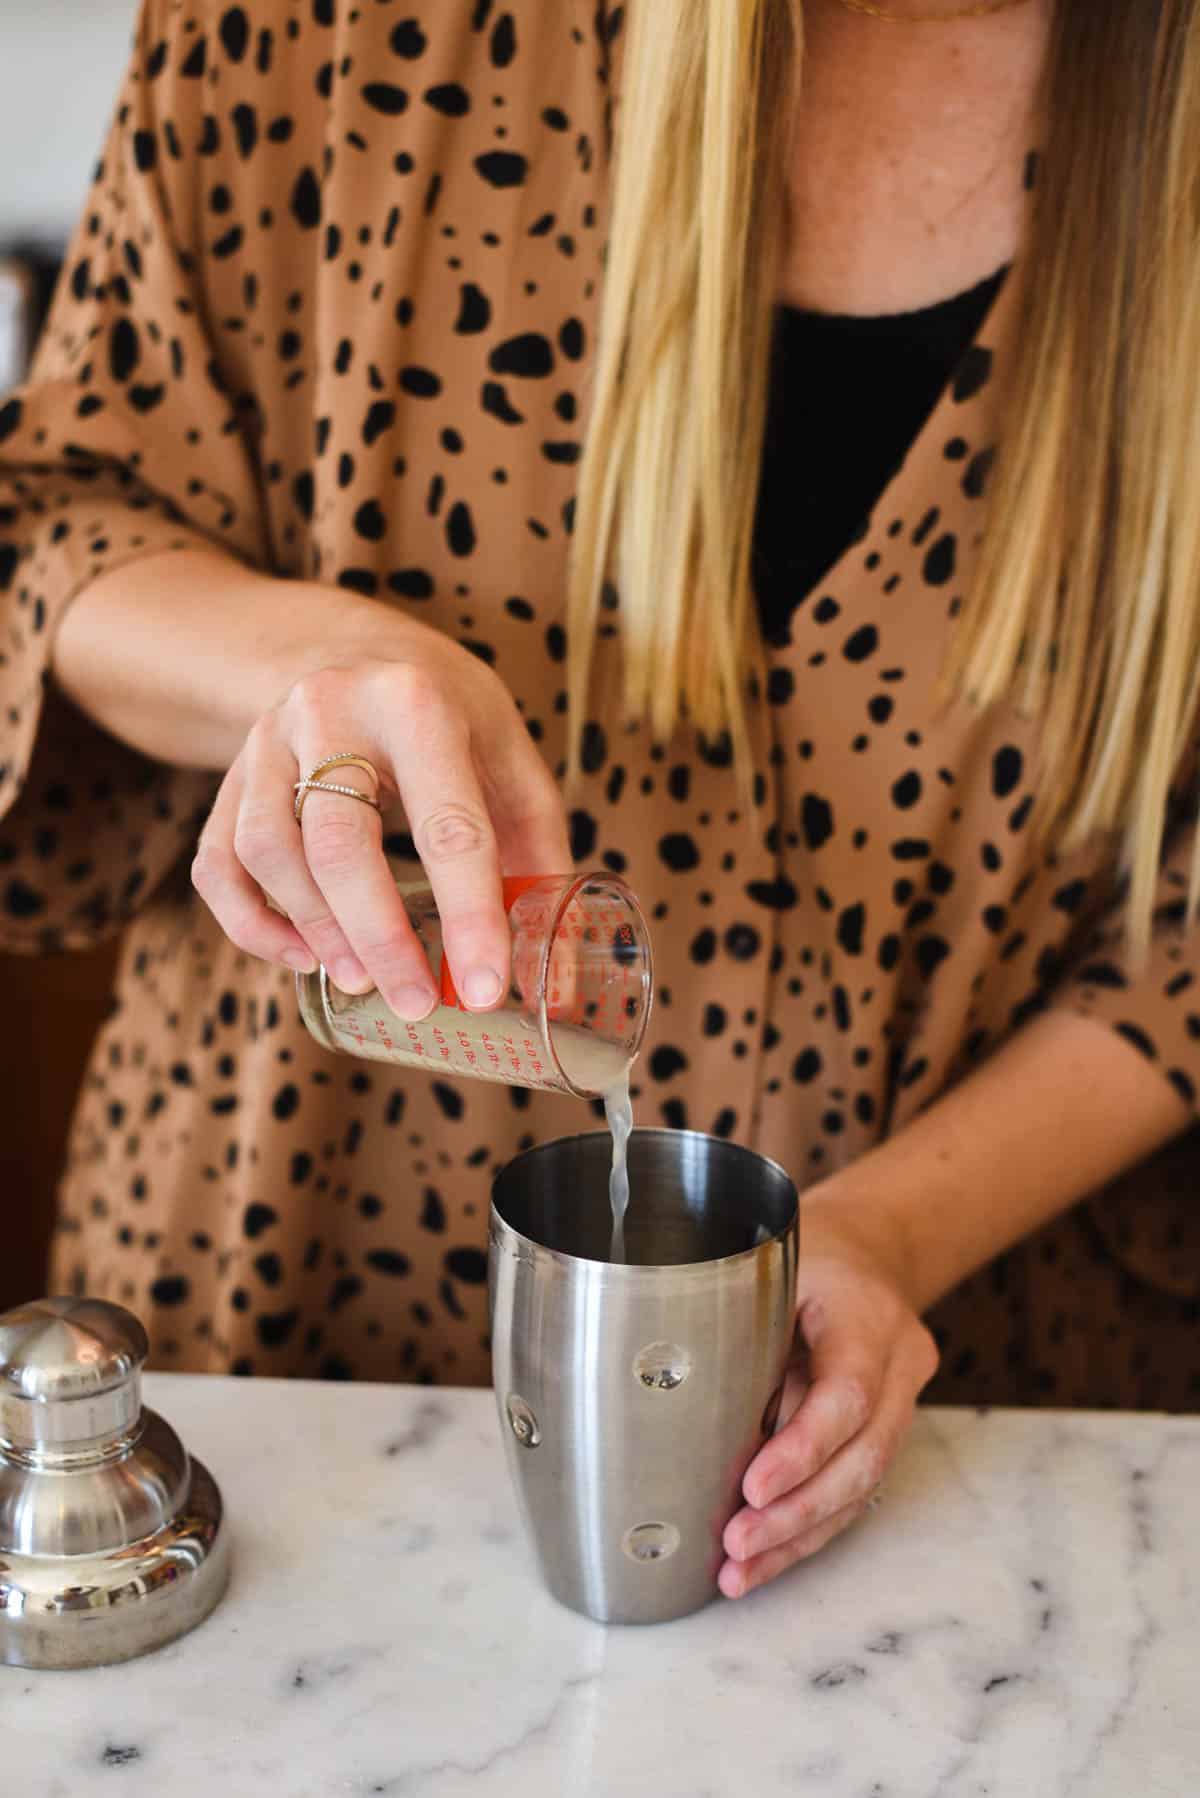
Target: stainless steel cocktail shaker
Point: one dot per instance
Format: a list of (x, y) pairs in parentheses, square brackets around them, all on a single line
[(632, 1397)]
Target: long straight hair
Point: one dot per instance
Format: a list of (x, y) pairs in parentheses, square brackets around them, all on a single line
[(1085, 611)]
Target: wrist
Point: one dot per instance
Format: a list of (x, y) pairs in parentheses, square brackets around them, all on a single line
[(843, 1219)]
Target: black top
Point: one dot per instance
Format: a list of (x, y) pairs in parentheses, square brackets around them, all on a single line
[(848, 398)]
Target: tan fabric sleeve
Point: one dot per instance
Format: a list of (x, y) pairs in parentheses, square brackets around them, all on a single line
[(92, 477), (1148, 1219), (1154, 1006)]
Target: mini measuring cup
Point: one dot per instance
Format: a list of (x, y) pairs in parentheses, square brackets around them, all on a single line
[(575, 1014)]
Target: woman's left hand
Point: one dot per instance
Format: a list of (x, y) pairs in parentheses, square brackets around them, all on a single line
[(862, 1357)]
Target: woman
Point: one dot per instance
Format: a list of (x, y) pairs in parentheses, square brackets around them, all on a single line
[(340, 402)]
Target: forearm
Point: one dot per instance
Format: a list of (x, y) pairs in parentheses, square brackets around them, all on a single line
[(1062, 1108), (179, 654)]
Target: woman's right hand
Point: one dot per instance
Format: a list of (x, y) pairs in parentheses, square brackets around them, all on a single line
[(449, 743)]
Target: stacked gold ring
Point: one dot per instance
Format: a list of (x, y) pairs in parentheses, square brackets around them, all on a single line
[(312, 784)]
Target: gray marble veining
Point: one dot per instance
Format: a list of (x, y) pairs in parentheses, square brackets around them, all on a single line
[(1019, 1619)]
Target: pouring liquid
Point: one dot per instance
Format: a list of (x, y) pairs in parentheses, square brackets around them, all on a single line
[(601, 1067), (618, 1110)]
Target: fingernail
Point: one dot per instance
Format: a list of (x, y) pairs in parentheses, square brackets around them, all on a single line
[(350, 975), (481, 986), (300, 961), (413, 1003)]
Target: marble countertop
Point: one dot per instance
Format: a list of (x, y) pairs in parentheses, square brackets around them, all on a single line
[(1021, 1616)]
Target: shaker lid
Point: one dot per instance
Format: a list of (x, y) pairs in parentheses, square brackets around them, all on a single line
[(59, 1351), (112, 1539)]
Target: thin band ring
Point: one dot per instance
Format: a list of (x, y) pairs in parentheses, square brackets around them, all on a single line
[(311, 784)]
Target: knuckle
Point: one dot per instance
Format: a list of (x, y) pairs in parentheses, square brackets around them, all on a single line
[(322, 932), (540, 809), (319, 691), (208, 869), (334, 842), (803, 1515), (415, 690), (813, 1322), (259, 848), (538, 788), (811, 1544), (854, 1399), (387, 956), (449, 833), (872, 1466)]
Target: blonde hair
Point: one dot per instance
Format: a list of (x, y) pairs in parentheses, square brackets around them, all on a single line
[(1085, 610), (670, 469)]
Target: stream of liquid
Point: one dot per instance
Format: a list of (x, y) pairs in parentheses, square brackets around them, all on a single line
[(618, 1109), (600, 1066)]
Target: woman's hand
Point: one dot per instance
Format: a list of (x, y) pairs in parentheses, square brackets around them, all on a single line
[(448, 741), (862, 1357)]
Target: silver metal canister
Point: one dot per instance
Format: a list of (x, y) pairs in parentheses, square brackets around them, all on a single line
[(112, 1540), (633, 1396)]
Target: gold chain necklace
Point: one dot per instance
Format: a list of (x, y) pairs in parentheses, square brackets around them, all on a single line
[(979, 11)]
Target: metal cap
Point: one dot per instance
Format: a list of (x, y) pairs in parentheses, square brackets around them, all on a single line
[(112, 1539), (70, 1371)]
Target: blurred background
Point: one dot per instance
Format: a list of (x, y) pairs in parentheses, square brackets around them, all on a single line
[(60, 65)]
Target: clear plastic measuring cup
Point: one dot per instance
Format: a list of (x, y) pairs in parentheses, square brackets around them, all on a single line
[(577, 1007)]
